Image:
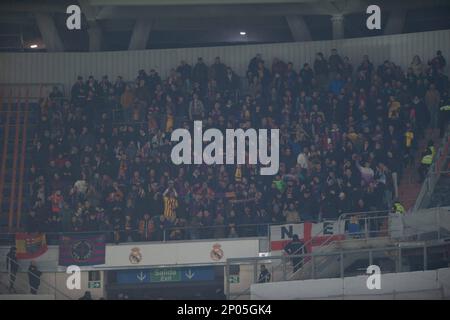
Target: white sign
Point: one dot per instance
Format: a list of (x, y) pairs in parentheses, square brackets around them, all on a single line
[(172, 253)]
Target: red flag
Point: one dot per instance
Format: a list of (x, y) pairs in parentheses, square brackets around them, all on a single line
[(30, 245)]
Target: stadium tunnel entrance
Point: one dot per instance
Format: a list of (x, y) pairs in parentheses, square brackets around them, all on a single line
[(180, 283)]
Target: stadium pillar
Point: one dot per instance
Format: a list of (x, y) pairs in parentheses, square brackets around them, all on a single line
[(299, 29), (141, 32), (49, 32), (396, 22), (337, 22), (95, 36)]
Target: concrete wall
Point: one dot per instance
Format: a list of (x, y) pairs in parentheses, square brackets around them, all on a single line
[(433, 284), (153, 254), (65, 67), (51, 280)]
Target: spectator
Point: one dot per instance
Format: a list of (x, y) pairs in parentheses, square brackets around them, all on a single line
[(438, 63), (218, 72), (185, 71), (86, 296), (306, 76), (126, 101), (335, 63), (34, 277), (196, 108), (264, 275), (417, 66), (200, 74), (146, 228), (321, 69), (12, 266), (342, 142), (291, 214), (433, 101), (295, 248), (427, 160), (253, 65)]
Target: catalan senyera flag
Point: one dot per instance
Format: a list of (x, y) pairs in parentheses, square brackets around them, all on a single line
[(30, 245)]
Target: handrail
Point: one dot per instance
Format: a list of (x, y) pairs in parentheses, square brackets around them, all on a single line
[(22, 162), (166, 231), (308, 257), (434, 170), (56, 290), (14, 167), (5, 150), (342, 253), (350, 251), (302, 249), (34, 85), (344, 216)]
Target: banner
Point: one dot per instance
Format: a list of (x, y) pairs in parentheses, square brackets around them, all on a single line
[(312, 234), (82, 250), (180, 253), (30, 245)]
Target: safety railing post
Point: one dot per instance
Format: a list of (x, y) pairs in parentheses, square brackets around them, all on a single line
[(425, 257), (341, 264), (313, 267), (227, 283), (366, 232), (438, 222)]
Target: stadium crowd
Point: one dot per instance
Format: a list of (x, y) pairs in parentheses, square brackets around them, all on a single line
[(101, 159)]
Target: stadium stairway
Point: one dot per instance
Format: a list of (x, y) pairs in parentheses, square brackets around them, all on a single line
[(15, 135), (409, 187)]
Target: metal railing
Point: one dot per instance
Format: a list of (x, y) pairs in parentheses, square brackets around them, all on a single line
[(433, 174), (15, 283), (36, 90), (372, 224), (364, 224), (188, 233), (402, 257), (185, 233)]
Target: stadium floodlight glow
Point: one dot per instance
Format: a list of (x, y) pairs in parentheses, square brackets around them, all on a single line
[(242, 33), (33, 46)]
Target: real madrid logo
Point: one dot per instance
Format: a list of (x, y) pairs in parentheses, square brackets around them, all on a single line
[(216, 253), (81, 250), (135, 256)]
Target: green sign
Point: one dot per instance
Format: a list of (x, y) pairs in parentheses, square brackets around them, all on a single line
[(234, 279), (165, 275), (94, 284)]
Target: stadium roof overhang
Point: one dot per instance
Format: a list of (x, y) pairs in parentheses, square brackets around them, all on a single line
[(149, 21)]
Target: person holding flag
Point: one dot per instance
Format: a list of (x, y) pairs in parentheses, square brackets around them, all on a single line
[(170, 202)]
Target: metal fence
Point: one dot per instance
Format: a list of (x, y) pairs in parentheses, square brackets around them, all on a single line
[(21, 282), (340, 263), (168, 234), (355, 225), (434, 172)]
